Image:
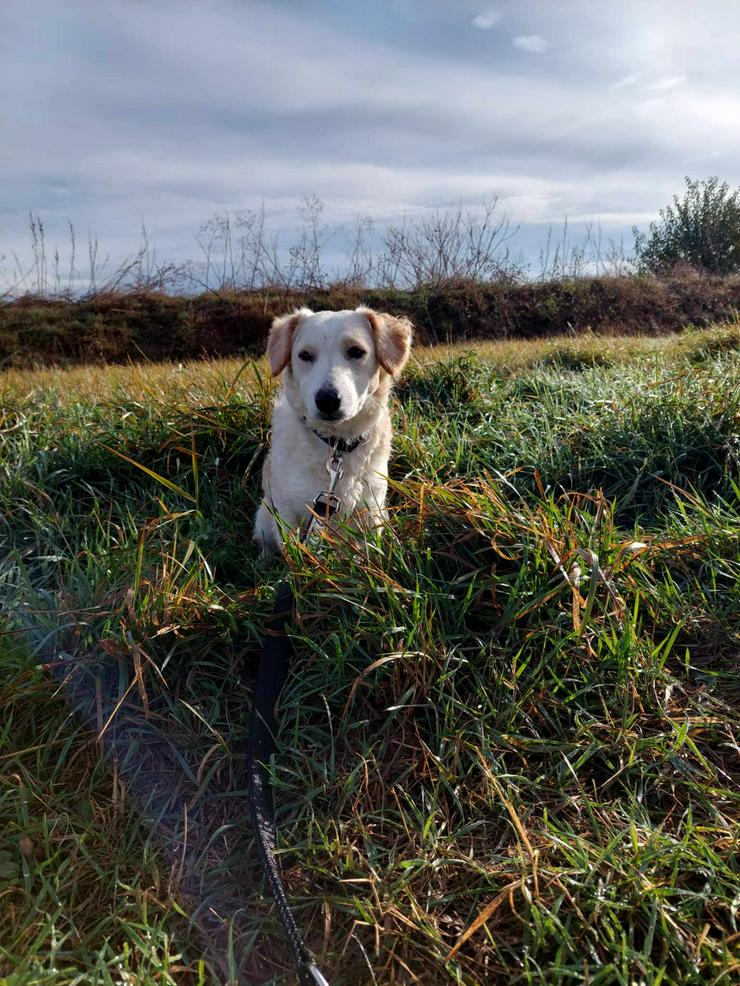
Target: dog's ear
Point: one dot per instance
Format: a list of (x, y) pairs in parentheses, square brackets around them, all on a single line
[(280, 340), (392, 339)]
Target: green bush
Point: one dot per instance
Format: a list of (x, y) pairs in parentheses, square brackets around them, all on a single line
[(702, 229)]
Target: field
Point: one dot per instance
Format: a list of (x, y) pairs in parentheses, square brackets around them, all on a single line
[(509, 749)]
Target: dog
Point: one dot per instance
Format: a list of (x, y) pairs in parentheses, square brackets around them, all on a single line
[(337, 371)]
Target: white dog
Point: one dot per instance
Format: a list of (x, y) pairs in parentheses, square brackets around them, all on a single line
[(337, 370)]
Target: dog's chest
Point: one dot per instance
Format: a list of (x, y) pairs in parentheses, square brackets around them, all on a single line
[(307, 475), (296, 470), (352, 486)]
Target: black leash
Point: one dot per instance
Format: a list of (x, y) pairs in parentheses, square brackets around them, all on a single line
[(272, 674), (271, 677)]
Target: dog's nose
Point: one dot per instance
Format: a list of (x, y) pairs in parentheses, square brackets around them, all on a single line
[(328, 400)]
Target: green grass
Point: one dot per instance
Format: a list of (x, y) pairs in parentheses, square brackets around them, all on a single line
[(508, 752)]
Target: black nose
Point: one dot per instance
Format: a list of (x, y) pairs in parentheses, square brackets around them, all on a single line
[(328, 400)]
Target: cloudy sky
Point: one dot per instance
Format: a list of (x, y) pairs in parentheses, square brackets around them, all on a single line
[(168, 111)]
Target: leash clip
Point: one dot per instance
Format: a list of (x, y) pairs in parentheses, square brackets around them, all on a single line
[(334, 468), (325, 504)]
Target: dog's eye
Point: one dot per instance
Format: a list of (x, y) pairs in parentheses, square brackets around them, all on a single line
[(306, 356), (355, 352)]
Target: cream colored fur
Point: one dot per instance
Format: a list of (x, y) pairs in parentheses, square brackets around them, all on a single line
[(295, 468)]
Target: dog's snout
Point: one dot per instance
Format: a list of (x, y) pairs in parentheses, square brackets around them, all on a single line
[(328, 400)]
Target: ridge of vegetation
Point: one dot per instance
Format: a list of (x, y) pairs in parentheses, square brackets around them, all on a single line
[(119, 327)]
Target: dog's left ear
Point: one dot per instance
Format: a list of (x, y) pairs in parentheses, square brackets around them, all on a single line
[(280, 340), (392, 339)]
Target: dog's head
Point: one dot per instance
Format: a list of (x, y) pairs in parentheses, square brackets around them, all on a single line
[(336, 362)]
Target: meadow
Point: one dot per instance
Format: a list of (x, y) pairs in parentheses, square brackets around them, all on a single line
[(508, 750)]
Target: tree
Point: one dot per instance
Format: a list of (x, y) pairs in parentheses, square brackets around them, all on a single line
[(701, 229)]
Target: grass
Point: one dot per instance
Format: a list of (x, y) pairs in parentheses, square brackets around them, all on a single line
[(509, 750)]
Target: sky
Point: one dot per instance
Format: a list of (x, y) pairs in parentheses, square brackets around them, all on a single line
[(118, 112)]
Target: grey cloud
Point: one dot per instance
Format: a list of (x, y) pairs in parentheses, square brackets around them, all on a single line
[(167, 111)]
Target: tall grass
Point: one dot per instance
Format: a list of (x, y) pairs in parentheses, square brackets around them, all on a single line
[(245, 251), (508, 751)]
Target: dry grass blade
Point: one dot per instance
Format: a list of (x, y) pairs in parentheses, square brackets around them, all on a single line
[(485, 915)]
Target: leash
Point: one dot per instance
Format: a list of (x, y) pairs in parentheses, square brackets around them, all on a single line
[(272, 674)]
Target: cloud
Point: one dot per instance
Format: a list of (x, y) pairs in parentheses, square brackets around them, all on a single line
[(189, 111), (531, 42), (627, 80), (667, 83), (487, 19)]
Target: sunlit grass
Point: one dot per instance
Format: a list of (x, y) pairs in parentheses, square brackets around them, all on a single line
[(203, 379), (509, 750)]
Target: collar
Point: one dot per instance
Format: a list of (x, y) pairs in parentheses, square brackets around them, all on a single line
[(341, 445)]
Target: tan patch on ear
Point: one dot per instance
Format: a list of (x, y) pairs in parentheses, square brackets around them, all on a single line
[(280, 340), (392, 339)]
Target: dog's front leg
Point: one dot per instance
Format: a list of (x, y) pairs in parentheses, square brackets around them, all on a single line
[(371, 514), (266, 533)]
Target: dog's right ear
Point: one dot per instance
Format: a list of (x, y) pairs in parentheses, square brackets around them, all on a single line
[(280, 340)]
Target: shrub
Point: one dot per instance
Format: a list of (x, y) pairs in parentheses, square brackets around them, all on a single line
[(702, 229)]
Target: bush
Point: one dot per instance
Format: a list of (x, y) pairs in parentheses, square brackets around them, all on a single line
[(147, 325), (702, 229)]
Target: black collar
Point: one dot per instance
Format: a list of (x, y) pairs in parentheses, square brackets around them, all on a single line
[(341, 445)]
